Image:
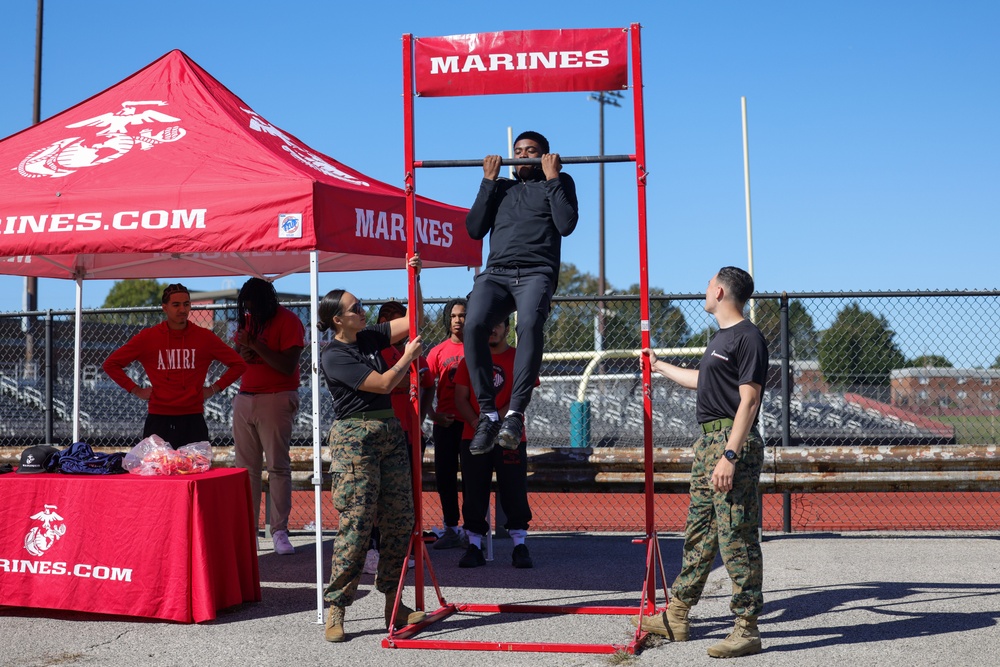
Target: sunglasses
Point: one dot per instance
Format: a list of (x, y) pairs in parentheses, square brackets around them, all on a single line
[(358, 308)]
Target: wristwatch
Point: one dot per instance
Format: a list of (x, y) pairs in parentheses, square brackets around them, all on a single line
[(730, 455)]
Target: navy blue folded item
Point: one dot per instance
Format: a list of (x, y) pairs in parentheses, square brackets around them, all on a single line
[(80, 459)]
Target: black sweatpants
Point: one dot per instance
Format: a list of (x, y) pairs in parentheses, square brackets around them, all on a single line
[(497, 293), (447, 440), (178, 430), (511, 466)]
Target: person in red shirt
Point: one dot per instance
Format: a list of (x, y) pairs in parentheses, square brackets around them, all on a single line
[(443, 360), (175, 355), (511, 465), (270, 338), (400, 396)]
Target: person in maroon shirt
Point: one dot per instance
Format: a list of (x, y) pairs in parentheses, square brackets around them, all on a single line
[(176, 355)]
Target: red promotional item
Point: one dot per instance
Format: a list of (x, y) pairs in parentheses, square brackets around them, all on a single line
[(525, 61), (169, 164), (174, 548)]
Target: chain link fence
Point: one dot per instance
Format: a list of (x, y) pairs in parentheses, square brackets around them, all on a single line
[(893, 368)]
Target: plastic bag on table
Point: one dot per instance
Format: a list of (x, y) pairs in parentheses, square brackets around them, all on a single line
[(155, 456), (196, 457)]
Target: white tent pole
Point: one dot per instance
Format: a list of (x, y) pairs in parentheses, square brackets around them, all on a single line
[(317, 447), (78, 347)]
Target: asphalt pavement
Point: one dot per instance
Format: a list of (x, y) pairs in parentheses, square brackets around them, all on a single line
[(830, 599)]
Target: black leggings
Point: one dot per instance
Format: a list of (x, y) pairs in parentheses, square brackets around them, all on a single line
[(496, 294)]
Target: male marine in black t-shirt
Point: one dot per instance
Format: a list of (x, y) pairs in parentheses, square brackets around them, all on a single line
[(725, 510)]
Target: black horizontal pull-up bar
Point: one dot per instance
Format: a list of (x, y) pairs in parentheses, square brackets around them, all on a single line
[(508, 161)]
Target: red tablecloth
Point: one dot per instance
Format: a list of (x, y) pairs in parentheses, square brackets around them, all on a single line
[(178, 548)]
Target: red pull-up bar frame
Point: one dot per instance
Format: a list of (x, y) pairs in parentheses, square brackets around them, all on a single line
[(573, 45)]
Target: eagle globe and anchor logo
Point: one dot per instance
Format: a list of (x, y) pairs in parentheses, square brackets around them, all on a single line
[(114, 140), (41, 538)]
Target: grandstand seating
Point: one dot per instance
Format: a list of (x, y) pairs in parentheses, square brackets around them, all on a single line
[(615, 415)]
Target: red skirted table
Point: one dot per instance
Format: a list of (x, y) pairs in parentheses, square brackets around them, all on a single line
[(177, 548)]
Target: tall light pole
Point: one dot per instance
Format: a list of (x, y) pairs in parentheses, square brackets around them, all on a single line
[(746, 187), (31, 282), (602, 98)]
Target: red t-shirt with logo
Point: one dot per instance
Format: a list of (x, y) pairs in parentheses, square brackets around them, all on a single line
[(503, 384), (400, 396), (443, 360), (282, 332)]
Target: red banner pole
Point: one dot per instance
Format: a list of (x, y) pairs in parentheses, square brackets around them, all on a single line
[(411, 279), (647, 390)]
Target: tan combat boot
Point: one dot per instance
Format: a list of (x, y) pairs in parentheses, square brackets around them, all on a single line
[(743, 640), (404, 615), (672, 623), (335, 624)]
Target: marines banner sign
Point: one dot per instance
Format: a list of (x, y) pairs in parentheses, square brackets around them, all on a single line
[(527, 61)]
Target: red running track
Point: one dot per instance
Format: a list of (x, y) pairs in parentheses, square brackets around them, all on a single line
[(625, 512)]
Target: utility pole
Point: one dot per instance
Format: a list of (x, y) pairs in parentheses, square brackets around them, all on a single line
[(602, 98)]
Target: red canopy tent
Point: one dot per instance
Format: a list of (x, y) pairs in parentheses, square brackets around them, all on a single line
[(169, 165), (169, 174)]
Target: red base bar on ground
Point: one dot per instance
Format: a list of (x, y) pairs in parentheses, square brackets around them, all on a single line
[(523, 647), (404, 637), (548, 609)]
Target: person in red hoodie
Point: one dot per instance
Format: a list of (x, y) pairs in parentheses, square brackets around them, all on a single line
[(176, 355)]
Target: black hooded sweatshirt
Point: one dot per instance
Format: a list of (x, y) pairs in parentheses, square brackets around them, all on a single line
[(526, 219)]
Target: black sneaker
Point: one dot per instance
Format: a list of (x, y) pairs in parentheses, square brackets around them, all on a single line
[(511, 431), (473, 557), (521, 559), (485, 437)]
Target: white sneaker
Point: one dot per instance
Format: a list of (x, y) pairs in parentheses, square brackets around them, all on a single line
[(411, 563), (371, 562), (282, 546)]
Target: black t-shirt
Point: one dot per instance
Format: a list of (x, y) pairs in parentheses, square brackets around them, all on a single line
[(735, 356), (346, 365)]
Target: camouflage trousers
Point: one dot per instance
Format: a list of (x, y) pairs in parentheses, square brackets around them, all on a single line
[(726, 522), (371, 482)]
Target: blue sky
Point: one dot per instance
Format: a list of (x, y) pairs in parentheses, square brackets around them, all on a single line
[(874, 134)]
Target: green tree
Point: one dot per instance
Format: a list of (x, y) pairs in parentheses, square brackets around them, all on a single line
[(996, 362), (572, 327), (930, 361), (803, 341), (701, 338), (858, 350), (133, 293), (667, 325)]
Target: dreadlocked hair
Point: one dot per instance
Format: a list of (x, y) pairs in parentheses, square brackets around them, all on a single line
[(256, 304), (446, 313)]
